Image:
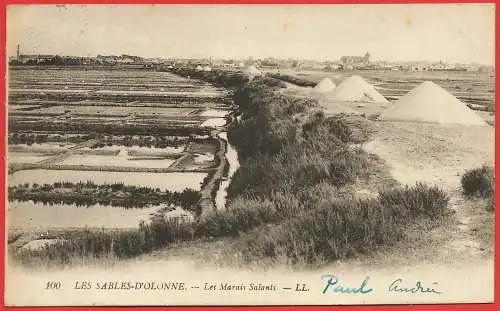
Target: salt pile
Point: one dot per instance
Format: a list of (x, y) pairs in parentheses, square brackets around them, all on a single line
[(324, 86), (122, 153), (430, 103), (252, 70), (356, 89)]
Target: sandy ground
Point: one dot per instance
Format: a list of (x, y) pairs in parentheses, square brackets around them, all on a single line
[(432, 153), (439, 155)]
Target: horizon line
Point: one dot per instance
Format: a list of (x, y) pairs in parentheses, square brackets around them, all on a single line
[(255, 58)]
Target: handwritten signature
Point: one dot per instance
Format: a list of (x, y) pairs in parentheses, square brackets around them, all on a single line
[(333, 284), (418, 288)]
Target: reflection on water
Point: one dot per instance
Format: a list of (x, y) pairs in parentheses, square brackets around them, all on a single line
[(29, 215)]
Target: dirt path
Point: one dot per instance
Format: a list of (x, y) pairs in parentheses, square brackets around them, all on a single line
[(439, 156)]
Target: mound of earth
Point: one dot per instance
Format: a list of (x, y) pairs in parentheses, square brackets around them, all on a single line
[(430, 103)]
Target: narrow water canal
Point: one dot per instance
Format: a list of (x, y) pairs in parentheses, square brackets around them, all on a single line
[(232, 158)]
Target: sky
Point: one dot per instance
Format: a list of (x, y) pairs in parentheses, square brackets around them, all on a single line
[(449, 32)]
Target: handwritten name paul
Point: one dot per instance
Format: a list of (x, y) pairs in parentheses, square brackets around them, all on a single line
[(334, 285)]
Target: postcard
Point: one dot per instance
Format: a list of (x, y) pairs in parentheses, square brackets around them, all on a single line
[(209, 155)]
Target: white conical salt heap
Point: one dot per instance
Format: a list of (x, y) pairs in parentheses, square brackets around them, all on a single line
[(252, 70), (430, 103), (122, 153), (324, 86), (356, 89)]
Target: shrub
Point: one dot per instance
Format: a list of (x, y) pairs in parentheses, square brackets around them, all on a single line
[(89, 244), (86, 245), (241, 215), (479, 182), (162, 231), (271, 82), (322, 192), (347, 165), (286, 203), (312, 172), (335, 229), (417, 200), (294, 80), (339, 128), (250, 178)]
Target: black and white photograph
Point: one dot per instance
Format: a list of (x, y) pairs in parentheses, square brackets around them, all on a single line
[(171, 155)]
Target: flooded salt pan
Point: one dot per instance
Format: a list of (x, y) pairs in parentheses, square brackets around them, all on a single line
[(109, 160), (29, 215), (214, 113), (214, 122), (43, 147), (160, 93), (137, 150), (201, 158), (25, 157)]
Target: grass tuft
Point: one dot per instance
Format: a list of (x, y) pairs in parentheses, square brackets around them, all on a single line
[(417, 200)]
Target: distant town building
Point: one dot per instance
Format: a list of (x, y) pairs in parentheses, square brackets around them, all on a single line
[(332, 66), (269, 64), (123, 59), (486, 69), (313, 65), (419, 67), (355, 61), (36, 59)]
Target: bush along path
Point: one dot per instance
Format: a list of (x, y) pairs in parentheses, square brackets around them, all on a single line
[(290, 197), (480, 182)]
